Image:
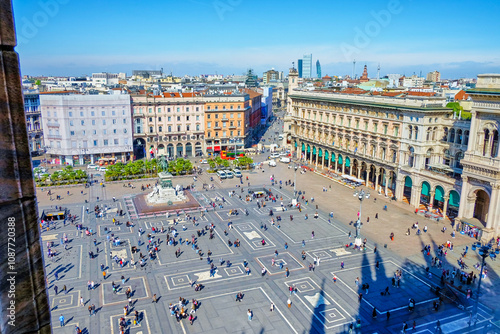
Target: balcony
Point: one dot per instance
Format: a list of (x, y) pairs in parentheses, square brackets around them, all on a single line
[(51, 136), (35, 131), (217, 128), (53, 124)]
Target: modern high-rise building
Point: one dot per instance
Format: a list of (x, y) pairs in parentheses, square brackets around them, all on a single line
[(318, 69), (307, 66), (299, 67)]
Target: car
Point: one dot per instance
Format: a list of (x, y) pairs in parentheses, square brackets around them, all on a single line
[(237, 173), (274, 155), (92, 166), (204, 161), (280, 137), (102, 169), (283, 154), (229, 174), (221, 174), (272, 163), (285, 160)]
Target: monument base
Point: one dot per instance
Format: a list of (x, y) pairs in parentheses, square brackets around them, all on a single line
[(358, 242)]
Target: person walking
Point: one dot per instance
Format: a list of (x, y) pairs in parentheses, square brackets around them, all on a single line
[(249, 314), (287, 272), (81, 301), (64, 289), (61, 320), (155, 300), (289, 303), (55, 289), (272, 307), (356, 281), (103, 274), (388, 314)]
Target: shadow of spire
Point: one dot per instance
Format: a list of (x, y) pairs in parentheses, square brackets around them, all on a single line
[(318, 326)]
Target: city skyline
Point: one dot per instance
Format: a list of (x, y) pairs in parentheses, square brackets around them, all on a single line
[(57, 37)]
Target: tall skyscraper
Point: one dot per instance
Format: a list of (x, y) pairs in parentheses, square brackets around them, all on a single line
[(299, 65), (307, 66), (318, 69)]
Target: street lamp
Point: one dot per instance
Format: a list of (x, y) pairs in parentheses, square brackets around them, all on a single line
[(484, 252), (361, 196)]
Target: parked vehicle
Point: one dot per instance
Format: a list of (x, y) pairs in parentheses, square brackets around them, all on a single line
[(229, 174), (285, 160), (92, 166), (221, 174), (237, 173)]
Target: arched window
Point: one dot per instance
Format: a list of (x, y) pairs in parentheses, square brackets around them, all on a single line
[(494, 144), (486, 141), (429, 134), (416, 133), (466, 137), (445, 134), (459, 156), (452, 135), (459, 136), (434, 133), (160, 128), (410, 135), (394, 156)]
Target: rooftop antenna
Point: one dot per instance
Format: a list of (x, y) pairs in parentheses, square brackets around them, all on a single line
[(353, 67), (378, 71)]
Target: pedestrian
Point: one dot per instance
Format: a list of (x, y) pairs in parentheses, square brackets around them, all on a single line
[(367, 286), (90, 310), (356, 281), (249, 314), (377, 265), (334, 278), (287, 272), (388, 315), (289, 303), (155, 300), (414, 325), (55, 289), (272, 307), (374, 313), (360, 297), (64, 289), (405, 327), (61, 320), (81, 301), (103, 274)]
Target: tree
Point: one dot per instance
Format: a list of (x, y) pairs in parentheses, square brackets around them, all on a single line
[(212, 163)]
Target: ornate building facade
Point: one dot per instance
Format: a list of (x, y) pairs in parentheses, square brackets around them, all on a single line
[(406, 147), (480, 201), (171, 124)]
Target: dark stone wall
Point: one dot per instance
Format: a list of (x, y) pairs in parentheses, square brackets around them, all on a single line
[(23, 295)]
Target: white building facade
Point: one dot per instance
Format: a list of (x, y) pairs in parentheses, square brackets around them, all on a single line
[(82, 129)]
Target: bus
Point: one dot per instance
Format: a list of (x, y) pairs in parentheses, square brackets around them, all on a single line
[(230, 155)]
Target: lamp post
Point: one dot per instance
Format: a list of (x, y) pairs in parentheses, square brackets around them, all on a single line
[(361, 196), (294, 201), (483, 251)]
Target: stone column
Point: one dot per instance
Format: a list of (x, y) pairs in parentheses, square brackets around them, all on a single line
[(416, 191), (323, 161), (400, 190), (493, 208), (387, 179), (367, 177), (343, 166), (431, 201), (317, 158), (336, 163), (377, 174), (463, 196), (18, 208), (445, 205), (359, 172)]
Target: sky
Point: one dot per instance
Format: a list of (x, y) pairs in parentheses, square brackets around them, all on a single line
[(72, 38)]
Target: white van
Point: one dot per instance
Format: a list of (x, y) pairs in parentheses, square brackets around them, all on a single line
[(237, 173), (285, 160), (221, 174), (272, 163), (229, 174)]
